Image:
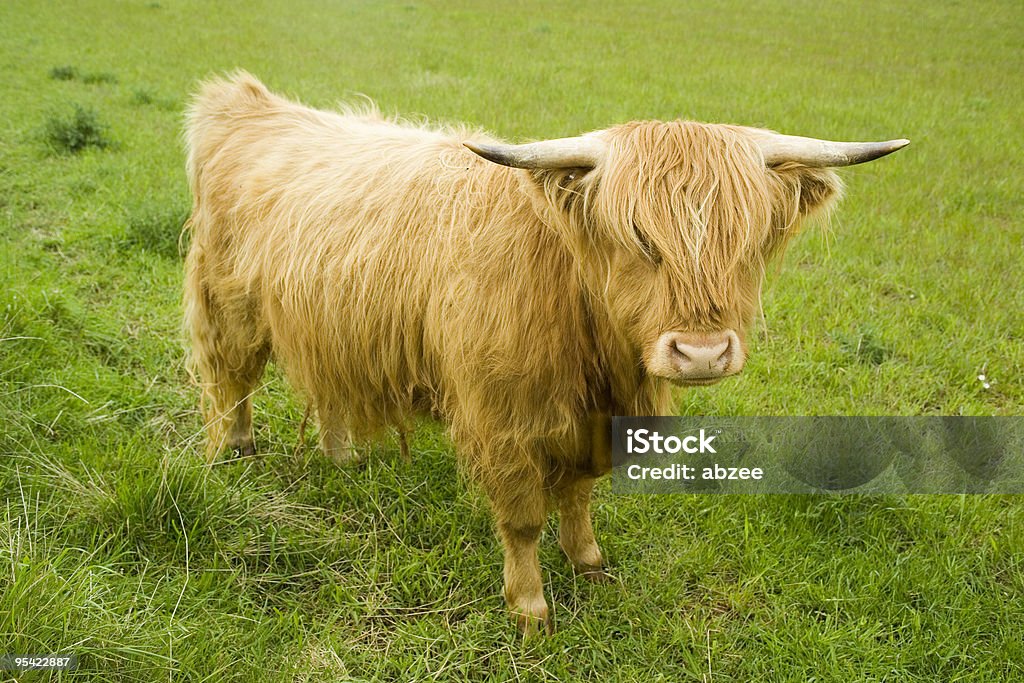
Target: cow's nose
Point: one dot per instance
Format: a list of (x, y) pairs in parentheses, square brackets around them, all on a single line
[(704, 356)]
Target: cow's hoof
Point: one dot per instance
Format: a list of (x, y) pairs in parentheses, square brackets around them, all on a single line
[(244, 448), (532, 625), (337, 445), (594, 574), (345, 457), (531, 616)]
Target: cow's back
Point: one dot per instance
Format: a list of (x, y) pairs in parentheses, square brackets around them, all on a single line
[(374, 253)]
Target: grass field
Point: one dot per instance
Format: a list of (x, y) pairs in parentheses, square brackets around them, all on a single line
[(118, 544)]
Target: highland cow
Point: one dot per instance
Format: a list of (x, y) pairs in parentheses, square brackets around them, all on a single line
[(523, 294)]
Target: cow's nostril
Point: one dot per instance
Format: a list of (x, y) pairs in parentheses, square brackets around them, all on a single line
[(726, 353)]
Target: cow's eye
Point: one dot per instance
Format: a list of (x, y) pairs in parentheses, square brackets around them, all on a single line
[(650, 251)]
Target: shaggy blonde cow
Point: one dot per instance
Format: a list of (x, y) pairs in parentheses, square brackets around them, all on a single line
[(522, 293)]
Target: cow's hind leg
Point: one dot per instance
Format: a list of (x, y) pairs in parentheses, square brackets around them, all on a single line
[(576, 532), (229, 358), (520, 507), (227, 401)]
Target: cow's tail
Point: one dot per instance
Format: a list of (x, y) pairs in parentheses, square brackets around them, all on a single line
[(218, 103), (213, 114)]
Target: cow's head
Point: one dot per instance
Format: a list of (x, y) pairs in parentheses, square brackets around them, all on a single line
[(674, 223)]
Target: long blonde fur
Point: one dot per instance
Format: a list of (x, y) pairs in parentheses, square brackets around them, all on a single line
[(392, 272)]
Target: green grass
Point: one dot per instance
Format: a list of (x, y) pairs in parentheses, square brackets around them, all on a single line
[(116, 543), (72, 133)]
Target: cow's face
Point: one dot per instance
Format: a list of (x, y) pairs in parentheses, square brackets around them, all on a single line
[(686, 218), (674, 224), (685, 326), (674, 229)]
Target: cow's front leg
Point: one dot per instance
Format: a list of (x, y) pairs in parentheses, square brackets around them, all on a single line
[(520, 507), (576, 532), (335, 439)]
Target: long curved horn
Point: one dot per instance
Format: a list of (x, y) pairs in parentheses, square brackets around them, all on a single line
[(779, 149), (584, 151)]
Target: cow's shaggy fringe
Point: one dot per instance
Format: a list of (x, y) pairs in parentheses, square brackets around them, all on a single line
[(393, 272)]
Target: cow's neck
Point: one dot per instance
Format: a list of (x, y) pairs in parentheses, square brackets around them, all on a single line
[(621, 385)]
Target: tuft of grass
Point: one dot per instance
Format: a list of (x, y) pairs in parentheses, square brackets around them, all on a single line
[(64, 73), (70, 73), (146, 96), (142, 96), (156, 228), (103, 77), (864, 346), (73, 133)]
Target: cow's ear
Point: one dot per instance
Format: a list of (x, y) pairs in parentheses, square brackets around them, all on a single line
[(566, 189), (817, 189)]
